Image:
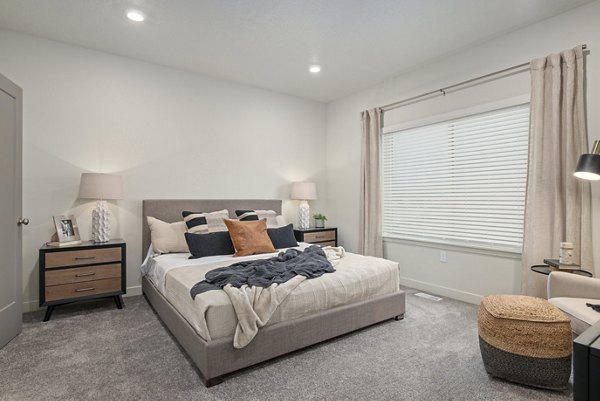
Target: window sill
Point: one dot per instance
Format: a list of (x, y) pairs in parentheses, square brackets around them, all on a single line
[(473, 249)]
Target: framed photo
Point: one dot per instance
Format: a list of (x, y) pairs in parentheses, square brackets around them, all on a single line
[(66, 228)]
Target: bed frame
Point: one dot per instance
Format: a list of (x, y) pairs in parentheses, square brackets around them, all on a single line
[(218, 357)]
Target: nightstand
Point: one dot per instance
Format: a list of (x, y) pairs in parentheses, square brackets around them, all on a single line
[(319, 236), (82, 272)]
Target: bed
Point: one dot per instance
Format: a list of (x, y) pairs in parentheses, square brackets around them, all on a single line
[(209, 345)]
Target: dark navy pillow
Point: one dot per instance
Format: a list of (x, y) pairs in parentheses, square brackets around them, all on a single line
[(211, 244), (282, 237)]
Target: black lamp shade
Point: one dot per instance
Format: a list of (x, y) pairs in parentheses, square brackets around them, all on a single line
[(588, 167)]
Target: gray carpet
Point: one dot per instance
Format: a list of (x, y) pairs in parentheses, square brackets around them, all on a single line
[(95, 352)]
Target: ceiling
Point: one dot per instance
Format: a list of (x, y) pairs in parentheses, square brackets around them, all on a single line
[(271, 43)]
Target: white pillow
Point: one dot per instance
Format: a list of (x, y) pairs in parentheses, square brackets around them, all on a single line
[(167, 237), (281, 222), (203, 223), (270, 215), (248, 215)]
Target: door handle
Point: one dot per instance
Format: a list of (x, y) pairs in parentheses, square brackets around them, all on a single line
[(23, 221)]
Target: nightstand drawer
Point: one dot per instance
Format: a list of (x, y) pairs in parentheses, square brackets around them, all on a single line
[(84, 289), (82, 257), (328, 243), (319, 236), (80, 274)]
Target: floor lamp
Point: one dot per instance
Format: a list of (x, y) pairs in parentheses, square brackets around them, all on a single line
[(588, 167)]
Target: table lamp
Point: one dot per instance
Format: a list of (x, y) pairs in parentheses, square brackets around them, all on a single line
[(304, 191), (100, 187)]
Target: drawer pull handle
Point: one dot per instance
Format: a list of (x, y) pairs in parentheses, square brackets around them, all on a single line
[(84, 257), (85, 274), (84, 289)]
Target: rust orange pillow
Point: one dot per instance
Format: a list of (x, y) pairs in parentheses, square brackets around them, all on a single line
[(249, 237)]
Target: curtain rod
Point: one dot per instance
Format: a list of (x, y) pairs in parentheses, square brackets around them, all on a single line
[(442, 91)]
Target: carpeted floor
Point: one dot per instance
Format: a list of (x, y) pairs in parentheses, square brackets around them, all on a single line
[(95, 352)]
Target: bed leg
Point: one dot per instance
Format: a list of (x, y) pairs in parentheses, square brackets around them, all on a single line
[(214, 381), (399, 317)]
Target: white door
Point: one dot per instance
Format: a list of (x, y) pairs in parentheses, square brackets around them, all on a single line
[(10, 210)]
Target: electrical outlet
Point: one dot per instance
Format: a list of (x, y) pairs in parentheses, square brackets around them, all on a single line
[(443, 257)]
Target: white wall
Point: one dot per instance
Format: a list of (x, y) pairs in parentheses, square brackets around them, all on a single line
[(170, 133), (466, 275)]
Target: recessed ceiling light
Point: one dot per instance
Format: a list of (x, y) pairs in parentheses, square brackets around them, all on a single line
[(135, 15), (315, 68)]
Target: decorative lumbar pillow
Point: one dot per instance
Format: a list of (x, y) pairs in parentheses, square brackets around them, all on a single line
[(202, 223), (250, 215), (282, 237), (249, 237), (167, 237), (211, 244)]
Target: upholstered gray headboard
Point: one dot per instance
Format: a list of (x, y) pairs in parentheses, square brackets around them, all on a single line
[(169, 210)]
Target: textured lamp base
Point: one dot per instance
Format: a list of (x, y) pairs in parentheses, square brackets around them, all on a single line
[(100, 222), (304, 215)]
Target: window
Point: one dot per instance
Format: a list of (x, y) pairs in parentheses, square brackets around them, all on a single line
[(458, 182)]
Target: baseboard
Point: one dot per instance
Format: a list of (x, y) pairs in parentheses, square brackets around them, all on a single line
[(440, 290), (34, 305), (133, 291), (31, 306)]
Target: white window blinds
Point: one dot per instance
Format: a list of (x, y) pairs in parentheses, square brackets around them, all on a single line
[(460, 181)]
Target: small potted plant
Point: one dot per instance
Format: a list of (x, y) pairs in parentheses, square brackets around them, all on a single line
[(319, 220)]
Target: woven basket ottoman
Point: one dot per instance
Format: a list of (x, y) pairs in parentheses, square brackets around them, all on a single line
[(525, 340)]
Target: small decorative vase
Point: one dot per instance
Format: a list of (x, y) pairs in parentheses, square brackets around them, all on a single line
[(566, 253), (319, 223)]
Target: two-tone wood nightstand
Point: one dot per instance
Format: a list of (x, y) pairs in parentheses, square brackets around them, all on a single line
[(319, 236), (81, 272)]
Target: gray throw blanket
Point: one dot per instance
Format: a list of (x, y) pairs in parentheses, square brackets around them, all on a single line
[(256, 288), (263, 272)]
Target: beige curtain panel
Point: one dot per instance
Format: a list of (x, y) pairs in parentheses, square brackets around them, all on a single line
[(557, 205), (369, 238)]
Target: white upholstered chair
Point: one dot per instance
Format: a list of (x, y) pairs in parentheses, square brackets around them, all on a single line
[(570, 293)]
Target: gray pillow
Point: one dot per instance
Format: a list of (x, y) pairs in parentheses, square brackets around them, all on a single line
[(282, 237), (211, 244)]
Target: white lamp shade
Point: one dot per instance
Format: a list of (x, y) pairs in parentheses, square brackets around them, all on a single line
[(100, 186), (304, 191)]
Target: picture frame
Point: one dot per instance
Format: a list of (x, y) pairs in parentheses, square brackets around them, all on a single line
[(66, 228)]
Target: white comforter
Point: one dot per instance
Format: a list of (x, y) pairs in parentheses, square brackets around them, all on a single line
[(213, 316)]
